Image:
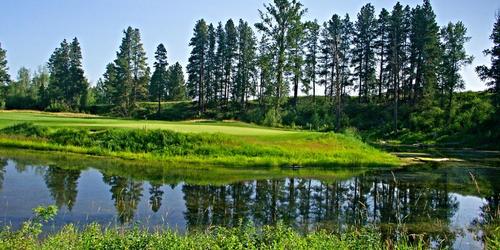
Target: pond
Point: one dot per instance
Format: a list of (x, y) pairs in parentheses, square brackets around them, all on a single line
[(448, 202)]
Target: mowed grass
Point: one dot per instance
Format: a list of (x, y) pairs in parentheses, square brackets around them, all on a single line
[(189, 142), (9, 118)]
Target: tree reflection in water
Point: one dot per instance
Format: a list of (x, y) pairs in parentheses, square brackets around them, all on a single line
[(422, 201)]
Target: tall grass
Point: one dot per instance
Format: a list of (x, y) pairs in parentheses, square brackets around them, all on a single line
[(302, 149), (95, 236)]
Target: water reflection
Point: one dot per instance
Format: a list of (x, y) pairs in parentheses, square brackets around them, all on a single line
[(126, 195), (425, 200)]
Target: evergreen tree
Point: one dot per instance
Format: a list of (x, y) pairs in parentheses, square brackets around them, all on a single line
[(4, 69), (296, 59), (364, 54), (107, 87), (67, 86), (157, 87), (211, 63), (196, 65), (335, 41), (311, 57), (246, 67), (4, 74), (278, 23), (132, 73), (140, 69), (230, 59), (219, 62), (345, 60), (176, 86), (454, 37), (396, 55), (78, 84), (265, 68), (59, 68), (492, 74), (382, 45), (425, 53)]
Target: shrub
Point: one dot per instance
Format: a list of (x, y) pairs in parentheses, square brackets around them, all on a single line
[(26, 129)]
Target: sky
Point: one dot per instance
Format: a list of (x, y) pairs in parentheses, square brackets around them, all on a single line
[(32, 29)]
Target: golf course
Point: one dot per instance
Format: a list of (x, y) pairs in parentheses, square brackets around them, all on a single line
[(189, 142)]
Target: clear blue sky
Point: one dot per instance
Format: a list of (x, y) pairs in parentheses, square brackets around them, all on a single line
[(32, 29)]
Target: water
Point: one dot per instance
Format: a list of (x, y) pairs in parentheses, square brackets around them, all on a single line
[(441, 201)]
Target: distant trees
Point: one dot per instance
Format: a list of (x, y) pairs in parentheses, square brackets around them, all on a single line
[(398, 59)]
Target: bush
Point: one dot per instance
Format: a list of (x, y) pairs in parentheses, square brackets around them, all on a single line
[(58, 107), (26, 129)]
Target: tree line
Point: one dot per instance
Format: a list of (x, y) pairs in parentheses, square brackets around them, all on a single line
[(397, 59)]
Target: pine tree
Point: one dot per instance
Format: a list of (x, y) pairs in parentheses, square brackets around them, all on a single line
[(159, 79), (364, 54), (230, 60), (78, 84), (425, 53), (296, 59), (311, 58), (246, 67), (396, 55), (336, 40), (265, 68), (108, 89), (219, 62), (68, 85), (346, 40), (196, 65), (59, 72), (132, 73), (4, 69), (278, 23), (382, 45), (454, 36), (140, 69), (211, 82), (176, 86)]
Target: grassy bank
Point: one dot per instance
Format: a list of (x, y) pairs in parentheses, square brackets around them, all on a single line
[(239, 144), (168, 173)]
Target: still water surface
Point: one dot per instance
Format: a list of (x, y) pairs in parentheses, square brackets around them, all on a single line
[(441, 201)]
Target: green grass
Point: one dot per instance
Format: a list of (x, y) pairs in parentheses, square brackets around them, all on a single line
[(243, 236), (8, 118), (166, 173), (227, 144)]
